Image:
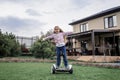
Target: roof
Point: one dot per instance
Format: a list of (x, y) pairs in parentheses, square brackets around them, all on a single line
[(96, 31), (100, 14)]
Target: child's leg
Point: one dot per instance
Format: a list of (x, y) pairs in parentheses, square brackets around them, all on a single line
[(58, 56), (64, 56)]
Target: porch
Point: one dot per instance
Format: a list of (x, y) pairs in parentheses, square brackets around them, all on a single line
[(95, 45)]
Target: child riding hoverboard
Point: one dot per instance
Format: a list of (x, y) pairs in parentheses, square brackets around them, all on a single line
[(58, 37), (62, 68)]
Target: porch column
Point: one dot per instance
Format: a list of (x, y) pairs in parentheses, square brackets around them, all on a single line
[(93, 42), (114, 44), (119, 45)]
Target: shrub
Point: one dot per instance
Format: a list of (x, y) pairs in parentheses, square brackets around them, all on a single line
[(8, 45), (43, 49)]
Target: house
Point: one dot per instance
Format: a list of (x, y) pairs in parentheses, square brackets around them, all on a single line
[(97, 35)]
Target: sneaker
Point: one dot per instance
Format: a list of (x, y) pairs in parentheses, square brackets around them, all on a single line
[(67, 67), (57, 67)]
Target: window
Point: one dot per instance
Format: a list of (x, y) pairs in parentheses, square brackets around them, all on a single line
[(110, 21), (84, 27)]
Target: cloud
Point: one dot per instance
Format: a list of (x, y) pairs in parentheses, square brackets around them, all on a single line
[(16, 1), (24, 2), (29, 17), (18, 25), (80, 3), (32, 12), (11, 21), (91, 7)]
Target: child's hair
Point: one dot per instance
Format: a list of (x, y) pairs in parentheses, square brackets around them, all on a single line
[(58, 28)]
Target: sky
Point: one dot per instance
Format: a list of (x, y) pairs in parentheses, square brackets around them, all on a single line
[(31, 17)]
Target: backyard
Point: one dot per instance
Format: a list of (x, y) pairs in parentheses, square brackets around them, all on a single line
[(41, 71)]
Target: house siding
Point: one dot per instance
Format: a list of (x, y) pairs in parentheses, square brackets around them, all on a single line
[(97, 23), (118, 20), (76, 28)]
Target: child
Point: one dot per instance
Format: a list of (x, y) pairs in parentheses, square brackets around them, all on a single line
[(58, 37)]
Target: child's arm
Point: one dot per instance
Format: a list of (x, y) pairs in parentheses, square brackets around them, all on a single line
[(67, 33), (48, 37)]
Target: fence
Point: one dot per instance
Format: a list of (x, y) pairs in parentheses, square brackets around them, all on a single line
[(27, 41)]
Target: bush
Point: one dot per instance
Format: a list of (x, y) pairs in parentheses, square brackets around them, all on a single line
[(8, 45), (43, 49)]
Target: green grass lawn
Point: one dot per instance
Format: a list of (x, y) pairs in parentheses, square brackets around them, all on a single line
[(41, 71)]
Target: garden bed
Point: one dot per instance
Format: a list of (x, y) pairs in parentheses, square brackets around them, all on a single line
[(32, 59), (15, 59)]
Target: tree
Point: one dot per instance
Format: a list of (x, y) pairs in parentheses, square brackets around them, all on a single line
[(8, 45), (47, 34), (43, 49)]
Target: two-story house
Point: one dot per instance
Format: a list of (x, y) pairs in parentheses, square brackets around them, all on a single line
[(98, 34)]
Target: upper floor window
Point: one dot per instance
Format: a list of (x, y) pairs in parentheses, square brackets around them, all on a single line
[(110, 21), (84, 27)]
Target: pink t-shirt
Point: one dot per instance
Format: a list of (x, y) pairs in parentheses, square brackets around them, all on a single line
[(59, 38)]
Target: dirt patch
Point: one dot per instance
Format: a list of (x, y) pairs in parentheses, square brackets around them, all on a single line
[(12, 59)]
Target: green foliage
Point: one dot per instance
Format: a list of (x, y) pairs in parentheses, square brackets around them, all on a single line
[(43, 49), (46, 34), (8, 45)]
